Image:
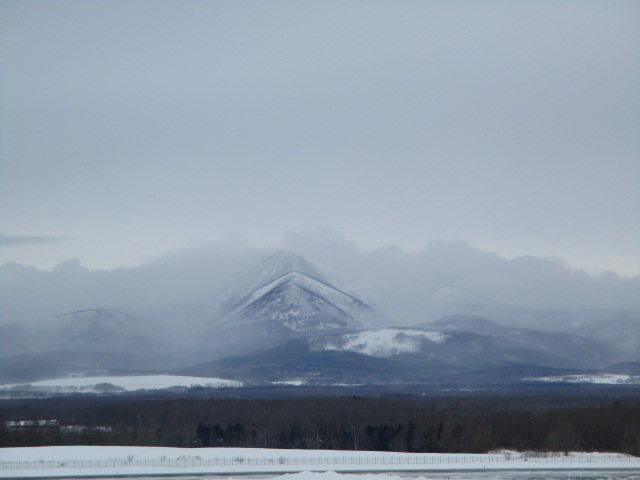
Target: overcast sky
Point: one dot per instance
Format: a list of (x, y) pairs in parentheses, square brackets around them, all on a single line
[(131, 128)]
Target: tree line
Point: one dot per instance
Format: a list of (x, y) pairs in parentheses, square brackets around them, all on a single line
[(464, 425)]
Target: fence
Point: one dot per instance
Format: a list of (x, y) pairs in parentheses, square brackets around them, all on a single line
[(328, 461)]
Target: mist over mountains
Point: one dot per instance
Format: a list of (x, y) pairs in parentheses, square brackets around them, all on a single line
[(410, 287), (289, 318)]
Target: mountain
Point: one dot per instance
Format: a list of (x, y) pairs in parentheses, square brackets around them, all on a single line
[(295, 361), (85, 330), (308, 361), (96, 340), (626, 368), (284, 262), (448, 344), (455, 350), (287, 296), (619, 329), (294, 319), (546, 348)]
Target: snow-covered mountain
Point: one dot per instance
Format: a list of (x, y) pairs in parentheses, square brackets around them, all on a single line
[(456, 352), (301, 303), (285, 262), (286, 296), (291, 317), (472, 342)]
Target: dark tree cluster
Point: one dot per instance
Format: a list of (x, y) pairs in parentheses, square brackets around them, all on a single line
[(465, 425)]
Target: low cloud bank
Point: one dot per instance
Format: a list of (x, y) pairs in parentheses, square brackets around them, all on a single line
[(403, 284)]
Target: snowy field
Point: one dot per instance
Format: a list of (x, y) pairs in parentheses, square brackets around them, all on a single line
[(123, 384), (601, 379), (380, 343), (86, 461)]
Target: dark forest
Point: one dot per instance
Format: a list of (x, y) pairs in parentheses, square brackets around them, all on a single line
[(464, 425)]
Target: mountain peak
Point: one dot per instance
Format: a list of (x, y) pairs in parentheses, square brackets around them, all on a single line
[(291, 293), (279, 265), (285, 262)]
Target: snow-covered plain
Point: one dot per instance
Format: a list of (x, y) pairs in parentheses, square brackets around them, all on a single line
[(382, 342), (83, 461), (602, 379), (124, 384)]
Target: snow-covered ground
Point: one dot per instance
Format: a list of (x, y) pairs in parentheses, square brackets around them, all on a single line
[(603, 378), (127, 383), (117, 384), (380, 342), (82, 461)]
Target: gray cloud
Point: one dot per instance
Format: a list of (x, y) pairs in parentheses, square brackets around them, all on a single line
[(142, 126), (13, 240)]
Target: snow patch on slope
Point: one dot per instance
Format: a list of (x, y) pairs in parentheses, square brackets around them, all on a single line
[(382, 342)]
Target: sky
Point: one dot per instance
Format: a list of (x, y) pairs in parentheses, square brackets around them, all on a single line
[(133, 129)]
